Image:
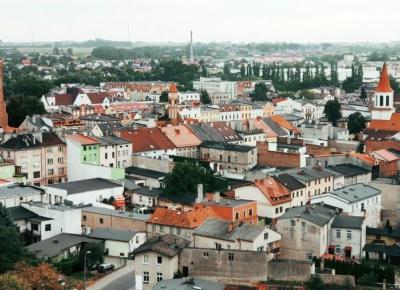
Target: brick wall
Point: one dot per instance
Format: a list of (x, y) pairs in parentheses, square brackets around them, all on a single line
[(275, 158), (374, 145)]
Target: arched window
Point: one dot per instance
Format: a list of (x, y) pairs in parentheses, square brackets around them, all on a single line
[(381, 101), (387, 101)]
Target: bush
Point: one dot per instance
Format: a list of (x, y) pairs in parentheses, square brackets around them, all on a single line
[(69, 265)]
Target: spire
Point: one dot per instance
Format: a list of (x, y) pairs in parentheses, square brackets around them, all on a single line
[(172, 88), (384, 81)]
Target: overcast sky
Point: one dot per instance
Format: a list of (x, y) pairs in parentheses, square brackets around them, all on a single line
[(210, 20)]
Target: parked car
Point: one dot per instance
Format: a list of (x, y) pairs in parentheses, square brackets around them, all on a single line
[(105, 268)]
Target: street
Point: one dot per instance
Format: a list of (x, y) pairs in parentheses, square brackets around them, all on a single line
[(121, 279), (125, 282)]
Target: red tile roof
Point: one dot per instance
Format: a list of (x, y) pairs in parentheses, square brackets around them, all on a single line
[(281, 121), (82, 139), (388, 125), (274, 191), (384, 81), (147, 139), (190, 219), (97, 98), (172, 88), (385, 155), (64, 99)]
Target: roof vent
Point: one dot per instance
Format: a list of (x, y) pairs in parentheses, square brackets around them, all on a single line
[(55, 241)]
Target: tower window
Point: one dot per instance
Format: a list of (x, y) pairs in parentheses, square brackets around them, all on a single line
[(381, 101), (387, 101)]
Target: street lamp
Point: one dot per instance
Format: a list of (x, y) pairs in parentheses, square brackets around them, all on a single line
[(84, 269)]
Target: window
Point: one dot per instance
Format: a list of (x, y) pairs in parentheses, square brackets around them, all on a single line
[(230, 256), (337, 249), (387, 101), (218, 246), (105, 155), (122, 254), (349, 235), (293, 223), (205, 254), (34, 227), (146, 277), (145, 259), (159, 260), (178, 231), (381, 101), (60, 160), (84, 218), (159, 277), (237, 215), (260, 249), (250, 212), (338, 234), (50, 161), (36, 174), (50, 171), (276, 210), (161, 229), (303, 224), (101, 220), (265, 236)]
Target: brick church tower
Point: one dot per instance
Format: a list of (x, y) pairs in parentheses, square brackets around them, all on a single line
[(3, 111), (173, 99)]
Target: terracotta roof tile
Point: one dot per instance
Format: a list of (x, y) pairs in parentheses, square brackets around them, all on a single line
[(384, 81), (147, 139), (388, 125), (274, 191), (190, 219), (385, 155), (281, 121), (181, 136), (82, 139), (97, 98)]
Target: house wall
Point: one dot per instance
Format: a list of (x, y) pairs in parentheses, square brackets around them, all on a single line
[(390, 195), (290, 270), (356, 241), (303, 240), (54, 164), (92, 220), (215, 263), (154, 230), (123, 249), (168, 267), (16, 200)]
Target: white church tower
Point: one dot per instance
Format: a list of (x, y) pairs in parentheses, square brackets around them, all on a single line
[(383, 107)]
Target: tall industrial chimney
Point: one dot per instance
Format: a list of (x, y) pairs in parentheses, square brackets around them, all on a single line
[(191, 46)]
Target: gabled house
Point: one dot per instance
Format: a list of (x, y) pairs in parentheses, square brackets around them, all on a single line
[(184, 139), (388, 162), (305, 232), (220, 234), (273, 199)]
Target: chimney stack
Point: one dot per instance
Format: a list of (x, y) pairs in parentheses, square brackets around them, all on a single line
[(200, 195)]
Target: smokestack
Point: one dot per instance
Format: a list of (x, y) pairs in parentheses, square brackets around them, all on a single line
[(191, 46)]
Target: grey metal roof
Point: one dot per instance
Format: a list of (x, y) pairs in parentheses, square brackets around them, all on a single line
[(289, 181), (167, 245), (116, 213), (112, 234), (100, 118), (347, 222), (75, 187), (228, 202), (205, 132), (215, 228), (54, 246), (394, 233), (274, 127), (112, 140), (349, 170), (20, 213), (188, 284), (356, 192), (315, 214), (306, 174), (392, 250), (153, 192), (145, 172), (17, 189), (226, 146)]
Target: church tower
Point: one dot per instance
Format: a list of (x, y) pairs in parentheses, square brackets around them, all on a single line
[(383, 107), (172, 102), (3, 109)]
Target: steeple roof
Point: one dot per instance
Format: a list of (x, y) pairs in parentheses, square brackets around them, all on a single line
[(172, 88), (384, 81)]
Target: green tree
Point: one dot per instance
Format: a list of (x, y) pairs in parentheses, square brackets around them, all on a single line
[(363, 95), (19, 107), (260, 92), (70, 52), (242, 71), (164, 97), (94, 258), (315, 283), (5, 218), (332, 111), (368, 279), (56, 51), (307, 94), (356, 123), (204, 97), (186, 175), (12, 248), (395, 85)]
